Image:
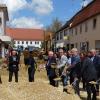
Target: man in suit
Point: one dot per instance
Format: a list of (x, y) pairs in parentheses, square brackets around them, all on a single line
[(96, 61), (13, 66), (88, 73), (51, 71)]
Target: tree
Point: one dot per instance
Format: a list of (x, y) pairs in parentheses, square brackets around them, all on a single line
[(54, 26)]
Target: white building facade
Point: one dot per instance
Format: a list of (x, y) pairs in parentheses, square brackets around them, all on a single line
[(18, 43), (26, 38)]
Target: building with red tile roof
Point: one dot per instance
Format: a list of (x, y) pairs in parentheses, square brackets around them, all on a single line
[(26, 37), (86, 13)]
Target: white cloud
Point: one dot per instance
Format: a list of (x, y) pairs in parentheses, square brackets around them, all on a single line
[(14, 5), (38, 6), (26, 22), (42, 6)]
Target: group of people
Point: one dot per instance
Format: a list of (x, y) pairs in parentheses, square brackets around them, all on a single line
[(30, 64), (71, 66), (13, 64), (75, 67)]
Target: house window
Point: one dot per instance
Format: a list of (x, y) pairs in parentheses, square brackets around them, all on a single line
[(76, 31), (30, 42), (22, 42), (94, 23), (64, 33), (26, 42), (14, 42), (57, 37), (36, 42), (18, 42), (61, 35), (76, 45), (72, 31), (86, 27), (80, 29)]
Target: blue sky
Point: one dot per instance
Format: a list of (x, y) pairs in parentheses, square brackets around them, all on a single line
[(40, 13)]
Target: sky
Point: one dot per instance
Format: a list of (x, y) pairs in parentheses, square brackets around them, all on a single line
[(40, 13)]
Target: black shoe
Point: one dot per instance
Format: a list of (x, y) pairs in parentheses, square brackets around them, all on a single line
[(94, 98), (64, 90), (0, 82), (89, 98)]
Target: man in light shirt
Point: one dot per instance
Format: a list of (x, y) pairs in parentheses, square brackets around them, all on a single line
[(62, 64)]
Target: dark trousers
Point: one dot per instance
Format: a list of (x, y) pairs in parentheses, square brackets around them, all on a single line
[(97, 86), (31, 73), (11, 74), (91, 89), (65, 80), (84, 84), (51, 75), (26, 61), (52, 82), (75, 82), (71, 77), (0, 80)]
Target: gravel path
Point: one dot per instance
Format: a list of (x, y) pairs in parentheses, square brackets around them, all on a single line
[(39, 90)]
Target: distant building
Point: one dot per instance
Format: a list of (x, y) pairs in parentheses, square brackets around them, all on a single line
[(82, 30), (31, 38), (4, 39), (62, 37)]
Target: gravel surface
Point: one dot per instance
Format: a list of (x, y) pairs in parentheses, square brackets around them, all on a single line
[(38, 90)]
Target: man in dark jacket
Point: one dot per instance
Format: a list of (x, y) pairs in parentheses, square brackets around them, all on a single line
[(88, 73), (51, 71), (26, 57), (75, 69), (13, 66), (31, 68), (96, 61)]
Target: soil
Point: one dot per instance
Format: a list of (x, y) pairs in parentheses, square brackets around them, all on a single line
[(38, 90)]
